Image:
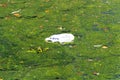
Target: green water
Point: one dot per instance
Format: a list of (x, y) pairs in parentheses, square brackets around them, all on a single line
[(24, 55)]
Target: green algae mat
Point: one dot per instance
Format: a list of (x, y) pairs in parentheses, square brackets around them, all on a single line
[(94, 54)]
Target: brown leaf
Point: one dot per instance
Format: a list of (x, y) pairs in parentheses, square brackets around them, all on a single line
[(3, 5), (96, 73)]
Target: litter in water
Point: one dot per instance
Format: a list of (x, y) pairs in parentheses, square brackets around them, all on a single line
[(16, 11), (97, 46), (61, 38)]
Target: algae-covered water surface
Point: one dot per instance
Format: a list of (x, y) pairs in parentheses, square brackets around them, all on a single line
[(94, 54)]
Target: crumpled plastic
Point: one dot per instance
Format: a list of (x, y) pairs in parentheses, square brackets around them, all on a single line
[(61, 38)]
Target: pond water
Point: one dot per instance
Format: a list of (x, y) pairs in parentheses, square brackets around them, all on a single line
[(24, 54)]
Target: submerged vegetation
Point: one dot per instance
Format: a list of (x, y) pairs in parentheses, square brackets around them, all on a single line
[(94, 54)]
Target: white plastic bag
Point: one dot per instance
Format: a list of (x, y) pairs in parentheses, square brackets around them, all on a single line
[(61, 38)]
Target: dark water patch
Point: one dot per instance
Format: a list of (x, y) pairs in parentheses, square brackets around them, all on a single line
[(117, 55), (1, 30), (1, 17), (45, 7), (52, 78), (65, 31), (110, 12), (96, 58), (57, 78), (95, 27), (65, 11), (79, 35), (108, 20), (84, 76), (49, 61), (7, 47), (7, 43), (70, 45), (18, 2), (117, 76), (29, 17), (9, 70), (16, 79)]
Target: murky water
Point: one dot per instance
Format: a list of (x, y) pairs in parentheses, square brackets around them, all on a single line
[(24, 25)]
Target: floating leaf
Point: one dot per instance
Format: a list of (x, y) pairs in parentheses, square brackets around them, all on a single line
[(3, 5), (47, 11), (104, 47), (39, 50), (17, 15), (96, 73), (1, 79), (45, 49)]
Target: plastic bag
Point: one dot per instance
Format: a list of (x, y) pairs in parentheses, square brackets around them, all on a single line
[(61, 38)]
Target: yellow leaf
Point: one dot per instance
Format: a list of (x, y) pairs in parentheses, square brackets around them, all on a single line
[(17, 15), (39, 50), (104, 47), (47, 11), (46, 49)]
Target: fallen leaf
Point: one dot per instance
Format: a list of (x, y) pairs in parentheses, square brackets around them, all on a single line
[(31, 51), (47, 0), (79, 73), (41, 27), (7, 18), (104, 47), (64, 19), (90, 60), (106, 29), (47, 11), (45, 49), (21, 62), (46, 20), (39, 50), (17, 15), (96, 73), (3, 5), (60, 28)]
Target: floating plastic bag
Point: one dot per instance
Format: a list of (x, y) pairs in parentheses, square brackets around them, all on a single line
[(61, 38)]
